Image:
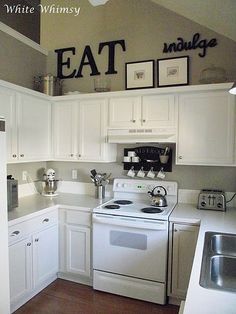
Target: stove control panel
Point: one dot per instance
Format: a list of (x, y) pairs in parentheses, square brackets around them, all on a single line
[(143, 186)]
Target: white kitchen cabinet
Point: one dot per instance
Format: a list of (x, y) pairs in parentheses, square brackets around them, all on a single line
[(206, 131), (159, 111), (45, 255), (182, 249), (80, 131), (8, 111), (75, 249), (152, 111), (20, 266), (78, 250), (28, 125), (65, 130), (124, 112), (34, 127), (33, 257)]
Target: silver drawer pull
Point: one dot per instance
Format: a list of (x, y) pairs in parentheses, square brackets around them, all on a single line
[(46, 220), (36, 240), (15, 233)]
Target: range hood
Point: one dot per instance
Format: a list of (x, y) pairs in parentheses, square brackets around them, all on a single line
[(155, 135)]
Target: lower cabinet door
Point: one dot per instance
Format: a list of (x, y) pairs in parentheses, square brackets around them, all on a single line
[(184, 244), (45, 255), (20, 266), (78, 250)]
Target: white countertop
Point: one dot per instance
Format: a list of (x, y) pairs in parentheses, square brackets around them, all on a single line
[(36, 204), (199, 299)]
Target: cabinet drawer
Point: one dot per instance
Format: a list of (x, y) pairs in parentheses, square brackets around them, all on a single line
[(18, 232), (23, 229), (45, 220), (78, 218)]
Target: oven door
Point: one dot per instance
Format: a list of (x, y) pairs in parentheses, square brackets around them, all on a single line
[(130, 246)]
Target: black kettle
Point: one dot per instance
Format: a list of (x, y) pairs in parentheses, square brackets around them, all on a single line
[(158, 197)]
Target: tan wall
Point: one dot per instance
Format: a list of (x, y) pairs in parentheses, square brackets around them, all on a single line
[(144, 26), (188, 177), (19, 62)]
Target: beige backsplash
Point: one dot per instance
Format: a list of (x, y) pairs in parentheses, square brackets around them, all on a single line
[(188, 177)]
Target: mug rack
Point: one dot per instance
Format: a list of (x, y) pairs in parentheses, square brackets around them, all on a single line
[(149, 157)]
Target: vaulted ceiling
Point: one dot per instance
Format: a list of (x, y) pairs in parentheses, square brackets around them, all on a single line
[(217, 15)]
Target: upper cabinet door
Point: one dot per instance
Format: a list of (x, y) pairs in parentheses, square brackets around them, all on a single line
[(8, 111), (64, 130), (124, 112), (92, 129), (34, 128), (206, 128), (159, 111)]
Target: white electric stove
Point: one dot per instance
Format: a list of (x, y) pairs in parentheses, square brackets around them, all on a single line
[(131, 199), (129, 245)]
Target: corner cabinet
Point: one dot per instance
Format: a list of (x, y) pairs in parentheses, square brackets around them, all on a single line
[(80, 131), (28, 124), (206, 128)]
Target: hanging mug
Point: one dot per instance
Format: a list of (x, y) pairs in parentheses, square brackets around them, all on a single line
[(151, 173), (131, 172), (141, 173)]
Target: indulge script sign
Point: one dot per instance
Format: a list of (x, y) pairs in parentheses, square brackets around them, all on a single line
[(195, 43)]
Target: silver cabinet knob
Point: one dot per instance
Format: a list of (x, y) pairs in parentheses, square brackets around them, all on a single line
[(175, 230), (46, 220), (79, 155), (180, 157), (15, 233), (132, 120), (144, 120), (71, 155)]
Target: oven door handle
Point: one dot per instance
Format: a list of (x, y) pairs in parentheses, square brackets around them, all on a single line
[(130, 222)]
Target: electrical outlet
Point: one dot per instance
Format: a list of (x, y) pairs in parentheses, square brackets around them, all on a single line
[(24, 175), (74, 174)]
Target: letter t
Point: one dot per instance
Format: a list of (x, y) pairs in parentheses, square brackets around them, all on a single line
[(111, 53)]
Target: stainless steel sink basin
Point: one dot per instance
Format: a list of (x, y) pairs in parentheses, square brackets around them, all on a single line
[(224, 244), (218, 269), (223, 272)]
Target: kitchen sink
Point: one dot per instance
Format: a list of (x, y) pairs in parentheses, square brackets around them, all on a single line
[(224, 244), (218, 269)]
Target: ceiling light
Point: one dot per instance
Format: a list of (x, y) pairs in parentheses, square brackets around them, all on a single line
[(97, 2), (233, 89)]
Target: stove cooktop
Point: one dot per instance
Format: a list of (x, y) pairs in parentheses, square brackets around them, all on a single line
[(135, 209)]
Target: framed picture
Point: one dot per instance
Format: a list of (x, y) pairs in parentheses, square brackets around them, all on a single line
[(139, 74), (173, 71)]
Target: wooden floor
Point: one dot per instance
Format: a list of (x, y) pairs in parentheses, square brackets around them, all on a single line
[(64, 297)]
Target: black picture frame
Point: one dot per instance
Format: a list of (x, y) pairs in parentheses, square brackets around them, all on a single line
[(173, 71), (140, 74)]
